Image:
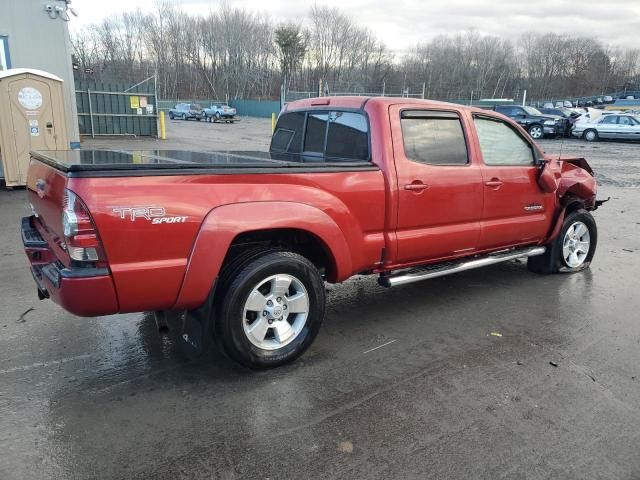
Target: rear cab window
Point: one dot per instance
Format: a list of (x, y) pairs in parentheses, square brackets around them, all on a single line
[(329, 135)]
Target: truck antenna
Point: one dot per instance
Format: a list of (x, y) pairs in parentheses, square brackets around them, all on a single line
[(561, 146)]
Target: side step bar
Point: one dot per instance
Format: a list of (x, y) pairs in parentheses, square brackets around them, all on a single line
[(447, 268)]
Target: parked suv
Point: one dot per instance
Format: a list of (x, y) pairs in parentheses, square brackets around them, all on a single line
[(533, 121), (185, 111)]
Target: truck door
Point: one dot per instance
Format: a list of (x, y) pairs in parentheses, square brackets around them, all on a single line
[(515, 209), (439, 187)]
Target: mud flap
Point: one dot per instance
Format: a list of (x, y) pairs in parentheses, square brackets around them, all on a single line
[(196, 328), (598, 203)]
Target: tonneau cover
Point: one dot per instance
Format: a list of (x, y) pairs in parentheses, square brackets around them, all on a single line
[(94, 162)]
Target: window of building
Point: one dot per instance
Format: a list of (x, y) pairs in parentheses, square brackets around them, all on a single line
[(5, 58)]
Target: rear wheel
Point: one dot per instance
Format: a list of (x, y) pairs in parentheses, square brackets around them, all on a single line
[(591, 135), (271, 309), (536, 132), (573, 249)]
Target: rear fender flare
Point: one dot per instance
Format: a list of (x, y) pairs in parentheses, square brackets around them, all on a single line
[(223, 224)]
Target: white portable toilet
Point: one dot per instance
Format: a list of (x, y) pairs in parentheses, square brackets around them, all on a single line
[(32, 117)]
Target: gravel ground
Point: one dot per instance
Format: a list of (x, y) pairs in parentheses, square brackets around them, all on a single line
[(402, 383)]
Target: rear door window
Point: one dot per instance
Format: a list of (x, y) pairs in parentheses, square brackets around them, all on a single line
[(434, 138)]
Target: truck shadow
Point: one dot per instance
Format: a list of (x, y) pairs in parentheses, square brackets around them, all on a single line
[(360, 315)]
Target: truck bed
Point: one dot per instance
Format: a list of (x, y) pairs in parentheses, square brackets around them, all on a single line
[(114, 163)]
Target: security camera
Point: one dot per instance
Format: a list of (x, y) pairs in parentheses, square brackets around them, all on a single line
[(48, 8)]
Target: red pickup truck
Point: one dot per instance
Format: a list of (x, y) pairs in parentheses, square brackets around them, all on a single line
[(242, 242)]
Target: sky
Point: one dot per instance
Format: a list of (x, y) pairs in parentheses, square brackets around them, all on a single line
[(400, 24)]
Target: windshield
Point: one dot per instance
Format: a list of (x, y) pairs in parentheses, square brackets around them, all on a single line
[(532, 111)]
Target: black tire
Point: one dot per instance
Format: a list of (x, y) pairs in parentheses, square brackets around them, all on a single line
[(553, 261), (590, 135), (170, 116), (235, 289), (198, 119), (536, 131)]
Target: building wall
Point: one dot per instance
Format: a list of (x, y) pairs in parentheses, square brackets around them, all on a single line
[(36, 41)]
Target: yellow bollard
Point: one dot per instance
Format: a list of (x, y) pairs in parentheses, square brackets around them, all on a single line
[(163, 131), (273, 122)]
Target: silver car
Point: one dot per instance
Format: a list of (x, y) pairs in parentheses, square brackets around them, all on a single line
[(619, 127)]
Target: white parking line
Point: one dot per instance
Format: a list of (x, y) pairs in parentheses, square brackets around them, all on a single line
[(379, 346)]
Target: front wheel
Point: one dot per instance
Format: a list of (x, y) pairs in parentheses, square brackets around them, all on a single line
[(270, 310), (536, 132), (573, 249)]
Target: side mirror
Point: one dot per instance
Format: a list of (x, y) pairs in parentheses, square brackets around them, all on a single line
[(546, 179)]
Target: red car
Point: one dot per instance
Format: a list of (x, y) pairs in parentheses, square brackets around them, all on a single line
[(243, 242)]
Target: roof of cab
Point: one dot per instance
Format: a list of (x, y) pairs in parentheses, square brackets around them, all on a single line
[(357, 102)]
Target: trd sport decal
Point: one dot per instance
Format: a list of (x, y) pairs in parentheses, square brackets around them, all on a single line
[(156, 215)]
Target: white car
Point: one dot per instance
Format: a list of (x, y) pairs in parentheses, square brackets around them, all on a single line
[(618, 127)]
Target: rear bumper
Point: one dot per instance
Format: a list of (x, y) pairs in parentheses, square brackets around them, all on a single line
[(86, 292)]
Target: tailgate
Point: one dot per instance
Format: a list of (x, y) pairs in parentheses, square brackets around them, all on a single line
[(45, 189)]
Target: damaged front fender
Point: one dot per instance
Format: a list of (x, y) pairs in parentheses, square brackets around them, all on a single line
[(575, 185)]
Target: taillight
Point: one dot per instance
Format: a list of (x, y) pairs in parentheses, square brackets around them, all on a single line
[(80, 235)]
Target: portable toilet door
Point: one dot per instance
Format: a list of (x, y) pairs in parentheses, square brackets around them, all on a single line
[(31, 118)]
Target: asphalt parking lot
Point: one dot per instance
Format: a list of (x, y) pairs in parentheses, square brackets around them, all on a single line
[(402, 383)]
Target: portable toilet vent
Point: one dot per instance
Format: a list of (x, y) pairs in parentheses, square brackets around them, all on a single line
[(31, 118)]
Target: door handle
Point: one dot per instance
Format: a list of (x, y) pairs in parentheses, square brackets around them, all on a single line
[(416, 186), (494, 183)]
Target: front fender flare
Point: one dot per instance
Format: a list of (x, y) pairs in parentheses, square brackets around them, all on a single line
[(224, 223)]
